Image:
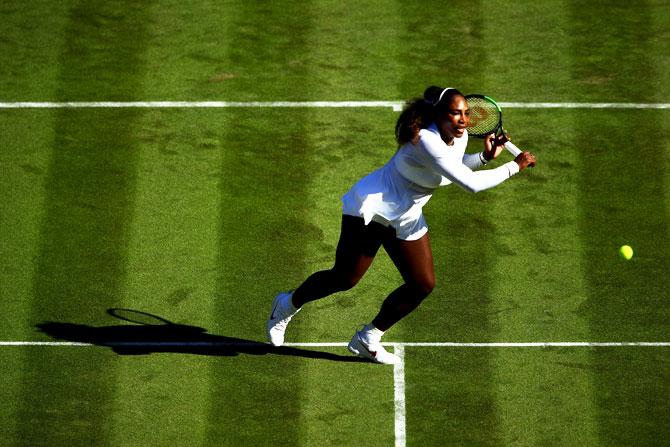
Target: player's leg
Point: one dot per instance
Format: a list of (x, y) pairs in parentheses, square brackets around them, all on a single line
[(414, 260), (356, 250)]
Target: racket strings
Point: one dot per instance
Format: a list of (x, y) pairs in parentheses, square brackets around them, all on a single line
[(484, 117)]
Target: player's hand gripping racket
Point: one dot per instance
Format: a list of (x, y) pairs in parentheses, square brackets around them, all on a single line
[(486, 118)]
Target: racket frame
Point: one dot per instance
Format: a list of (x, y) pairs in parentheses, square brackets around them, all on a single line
[(498, 129)]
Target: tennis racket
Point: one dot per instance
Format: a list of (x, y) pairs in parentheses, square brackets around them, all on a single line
[(486, 118)]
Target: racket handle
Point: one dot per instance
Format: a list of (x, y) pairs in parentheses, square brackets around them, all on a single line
[(512, 149)]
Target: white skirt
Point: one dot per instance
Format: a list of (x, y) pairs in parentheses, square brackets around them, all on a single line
[(384, 196)]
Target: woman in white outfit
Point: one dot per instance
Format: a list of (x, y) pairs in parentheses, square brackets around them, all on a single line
[(385, 209)]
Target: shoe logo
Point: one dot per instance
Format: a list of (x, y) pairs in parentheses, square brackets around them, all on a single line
[(274, 308), (372, 353)]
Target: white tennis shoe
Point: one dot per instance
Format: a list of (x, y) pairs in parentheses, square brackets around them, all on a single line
[(368, 345), (282, 312)]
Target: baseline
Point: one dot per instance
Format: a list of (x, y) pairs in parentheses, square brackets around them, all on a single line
[(547, 344), (395, 105)]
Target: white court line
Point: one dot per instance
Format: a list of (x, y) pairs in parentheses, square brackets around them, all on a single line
[(197, 104), (543, 344), (583, 105), (549, 344), (395, 105), (399, 396)]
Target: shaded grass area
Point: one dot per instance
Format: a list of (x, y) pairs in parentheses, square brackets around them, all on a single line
[(632, 385), (449, 397), (24, 161), (445, 49), (262, 209), (32, 36), (264, 180), (79, 271), (630, 63)]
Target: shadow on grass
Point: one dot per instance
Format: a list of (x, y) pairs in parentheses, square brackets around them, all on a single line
[(152, 334)]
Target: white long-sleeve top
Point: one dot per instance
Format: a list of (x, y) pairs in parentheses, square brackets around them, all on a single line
[(431, 163), (396, 193)]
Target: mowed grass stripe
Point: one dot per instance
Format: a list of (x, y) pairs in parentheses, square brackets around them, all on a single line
[(25, 155), (24, 159), (172, 252), (172, 260), (27, 139), (354, 46), (544, 398), (343, 148), (259, 252), (33, 37), (541, 398), (89, 192), (444, 48), (623, 201), (265, 174)]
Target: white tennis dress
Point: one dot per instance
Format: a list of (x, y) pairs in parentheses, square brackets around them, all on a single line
[(395, 194)]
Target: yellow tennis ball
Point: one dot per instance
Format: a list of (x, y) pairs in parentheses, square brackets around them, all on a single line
[(626, 251)]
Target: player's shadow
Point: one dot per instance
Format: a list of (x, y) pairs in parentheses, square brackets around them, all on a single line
[(152, 334)]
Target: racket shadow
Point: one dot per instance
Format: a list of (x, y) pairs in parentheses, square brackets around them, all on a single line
[(167, 337)]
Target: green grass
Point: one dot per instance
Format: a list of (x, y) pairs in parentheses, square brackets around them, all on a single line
[(201, 216)]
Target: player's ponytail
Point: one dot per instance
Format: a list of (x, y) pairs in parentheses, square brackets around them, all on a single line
[(416, 115), (419, 113)]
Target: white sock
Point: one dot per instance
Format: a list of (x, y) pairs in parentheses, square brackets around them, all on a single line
[(372, 333)]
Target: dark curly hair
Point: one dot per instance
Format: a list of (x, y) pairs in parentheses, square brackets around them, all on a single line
[(419, 113)]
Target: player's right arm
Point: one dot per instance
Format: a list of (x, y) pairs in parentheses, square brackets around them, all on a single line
[(448, 163)]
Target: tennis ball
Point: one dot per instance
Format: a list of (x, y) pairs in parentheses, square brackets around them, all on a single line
[(626, 252)]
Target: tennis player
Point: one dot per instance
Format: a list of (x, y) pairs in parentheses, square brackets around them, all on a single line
[(385, 209)]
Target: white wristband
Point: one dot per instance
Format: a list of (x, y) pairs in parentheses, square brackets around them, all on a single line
[(512, 167)]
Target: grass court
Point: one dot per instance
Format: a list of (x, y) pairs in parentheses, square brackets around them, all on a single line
[(200, 216)]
